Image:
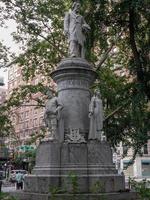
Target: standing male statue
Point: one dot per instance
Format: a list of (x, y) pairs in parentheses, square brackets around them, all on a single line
[(53, 117), (96, 117), (75, 29)]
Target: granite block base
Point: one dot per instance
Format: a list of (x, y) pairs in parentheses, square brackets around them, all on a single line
[(100, 196), (89, 163)]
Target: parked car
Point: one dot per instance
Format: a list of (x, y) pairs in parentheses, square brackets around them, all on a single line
[(12, 177)]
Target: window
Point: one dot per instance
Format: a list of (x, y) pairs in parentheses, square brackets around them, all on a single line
[(21, 116), (26, 114), (35, 111), (23, 125), (125, 149), (35, 122), (27, 124), (145, 149), (41, 121), (20, 126), (127, 163), (145, 167)]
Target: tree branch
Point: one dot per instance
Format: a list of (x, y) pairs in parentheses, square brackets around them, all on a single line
[(116, 110), (105, 56), (139, 69)]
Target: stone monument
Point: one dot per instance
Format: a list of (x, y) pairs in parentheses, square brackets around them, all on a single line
[(76, 120)]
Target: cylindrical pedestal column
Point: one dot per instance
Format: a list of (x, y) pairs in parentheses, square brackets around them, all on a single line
[(74, 77)]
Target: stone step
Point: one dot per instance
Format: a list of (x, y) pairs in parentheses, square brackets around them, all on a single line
[(102, 196)]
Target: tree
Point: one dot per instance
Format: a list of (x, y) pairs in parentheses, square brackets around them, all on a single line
[(119, 41), (3, 54)]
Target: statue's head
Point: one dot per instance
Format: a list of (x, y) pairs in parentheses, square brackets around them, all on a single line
[(76, 6), (97, 93)]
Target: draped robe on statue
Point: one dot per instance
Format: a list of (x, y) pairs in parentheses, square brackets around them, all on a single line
[(96, 118)]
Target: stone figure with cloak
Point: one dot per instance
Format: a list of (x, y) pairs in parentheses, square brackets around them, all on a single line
[(53, 117), (96, 117), (75, 29)]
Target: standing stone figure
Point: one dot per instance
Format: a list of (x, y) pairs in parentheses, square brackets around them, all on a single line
[(96, 117), (75, 29), (53, 118)]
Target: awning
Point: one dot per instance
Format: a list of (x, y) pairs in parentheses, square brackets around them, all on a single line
[(127, 161)]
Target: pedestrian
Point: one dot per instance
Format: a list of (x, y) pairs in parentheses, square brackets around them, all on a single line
[(19, 180)]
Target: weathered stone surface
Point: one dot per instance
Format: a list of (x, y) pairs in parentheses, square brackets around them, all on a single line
[(74, 77), (86, 161), (103, 196), (75, 29), (99, 153), (74, 63)]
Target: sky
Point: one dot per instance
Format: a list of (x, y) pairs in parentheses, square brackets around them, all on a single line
[(5, 36)]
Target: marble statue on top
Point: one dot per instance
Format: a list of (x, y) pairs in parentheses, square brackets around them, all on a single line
[(96, 117), (75, 29), (53, 117)]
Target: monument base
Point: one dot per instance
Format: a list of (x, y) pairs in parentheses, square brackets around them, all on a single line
[(80, 167), (100, 196)]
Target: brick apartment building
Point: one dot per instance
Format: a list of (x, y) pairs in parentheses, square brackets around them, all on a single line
[(27, 119)]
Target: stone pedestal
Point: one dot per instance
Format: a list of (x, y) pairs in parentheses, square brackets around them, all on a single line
[(101, 196), (74, 77), (91, 163)]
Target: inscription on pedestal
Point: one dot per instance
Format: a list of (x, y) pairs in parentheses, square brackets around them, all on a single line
[(73, 84)]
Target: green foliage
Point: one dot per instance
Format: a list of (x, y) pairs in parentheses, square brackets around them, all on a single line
[(98, 187), (54, 191), (3, 54), (6, 127), (4, 196), (129, 119), (142, 188), (73, 180), (122, 25)]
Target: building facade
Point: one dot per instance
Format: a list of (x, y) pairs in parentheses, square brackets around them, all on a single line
[(3, 92), (139, 168), (27, 119)]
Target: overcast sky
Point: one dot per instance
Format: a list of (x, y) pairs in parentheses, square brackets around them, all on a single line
[(5, 36)]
